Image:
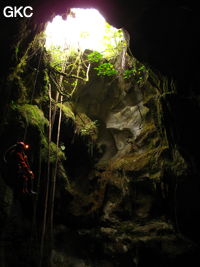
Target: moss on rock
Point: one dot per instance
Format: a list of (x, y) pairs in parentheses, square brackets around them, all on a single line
[(54, 151), (33, 116), (85, 126), (67, 110), (137, 162)]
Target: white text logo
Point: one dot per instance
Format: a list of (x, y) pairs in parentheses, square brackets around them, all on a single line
[(13, 12)]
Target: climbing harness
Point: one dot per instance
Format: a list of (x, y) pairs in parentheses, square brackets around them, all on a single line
[(16, 155)]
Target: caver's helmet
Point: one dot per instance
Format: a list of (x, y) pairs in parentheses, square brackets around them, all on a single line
[(19, 146), (22, 145)]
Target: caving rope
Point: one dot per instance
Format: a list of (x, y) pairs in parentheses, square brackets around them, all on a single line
[(34, 231), (47, 184), (34, 87), (56, 166), (35, 199), (50, 194)]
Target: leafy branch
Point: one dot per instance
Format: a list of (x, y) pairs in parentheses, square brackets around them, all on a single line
[(66, 75), (106, 69)]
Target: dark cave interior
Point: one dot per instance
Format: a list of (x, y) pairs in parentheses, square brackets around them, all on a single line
[(164, 35)]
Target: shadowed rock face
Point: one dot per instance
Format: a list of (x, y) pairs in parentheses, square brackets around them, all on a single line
[(161, 33), (128, 195)]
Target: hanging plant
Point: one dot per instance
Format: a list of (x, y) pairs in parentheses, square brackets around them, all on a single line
[(106, 69)]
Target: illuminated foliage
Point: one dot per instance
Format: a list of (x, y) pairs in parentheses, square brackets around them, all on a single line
[(106, 69), (106, 57), (94, 56), (137, 73)]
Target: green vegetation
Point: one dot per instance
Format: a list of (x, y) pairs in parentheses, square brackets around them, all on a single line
[(137, 73), (85, 126), (89, 128), (106, 69), (75, 65), (113, 41), (32, 115), (54, 152), (56, 57), (35, 117), (67, 110), (95, 56)]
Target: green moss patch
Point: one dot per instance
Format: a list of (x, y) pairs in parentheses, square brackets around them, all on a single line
[(137, 162), (67, 110), (33, 116), (54, 151), (85, 126)]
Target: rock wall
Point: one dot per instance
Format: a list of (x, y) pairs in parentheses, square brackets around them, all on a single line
[(127, 204), (127, 191)]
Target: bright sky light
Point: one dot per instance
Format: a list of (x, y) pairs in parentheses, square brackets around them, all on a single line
[(84, 29)]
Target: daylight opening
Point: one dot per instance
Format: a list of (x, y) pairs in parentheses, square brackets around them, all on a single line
[(83, 29)]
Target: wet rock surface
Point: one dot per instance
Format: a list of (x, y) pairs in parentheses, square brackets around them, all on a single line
[(128, 194)]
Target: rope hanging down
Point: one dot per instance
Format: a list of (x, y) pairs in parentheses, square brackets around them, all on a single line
[(50, 192), (34, 87), (47, 183), (56, 162)]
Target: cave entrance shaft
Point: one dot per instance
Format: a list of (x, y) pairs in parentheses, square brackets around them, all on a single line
[(84, 37)]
